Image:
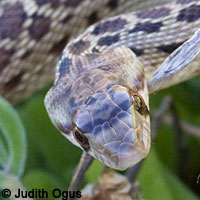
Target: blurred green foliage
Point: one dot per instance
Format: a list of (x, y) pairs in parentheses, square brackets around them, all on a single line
[(51, 158), (13, 140), (12, 147)]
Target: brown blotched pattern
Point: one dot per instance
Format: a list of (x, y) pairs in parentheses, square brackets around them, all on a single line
[(13, 82), (153, 13), (138, 52), (108, 40), (112, 4), (54, 3), (26, 54), (109, 26), (67, 18), (78, 47), (189, 14), (169, 48), (59, 46), (92, 18), (40, 27), (5, 56), (12, 28), (147, 27), (72, 3)]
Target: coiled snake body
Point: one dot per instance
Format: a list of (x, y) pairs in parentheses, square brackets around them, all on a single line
[(99, 100)]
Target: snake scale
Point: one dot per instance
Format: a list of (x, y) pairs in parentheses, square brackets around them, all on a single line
[(99, 99)]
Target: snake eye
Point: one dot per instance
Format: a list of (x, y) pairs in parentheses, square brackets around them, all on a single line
[(139, 103), (80, 138)]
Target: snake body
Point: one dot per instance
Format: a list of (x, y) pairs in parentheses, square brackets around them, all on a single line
[(99, 99), (33, 34)]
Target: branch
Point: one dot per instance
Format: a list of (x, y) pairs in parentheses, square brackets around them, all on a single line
[(158, 116), (198, 178), (187, 127), (132, 172), (84, 163)]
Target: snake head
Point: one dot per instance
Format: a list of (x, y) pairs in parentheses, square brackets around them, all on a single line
[(104, 110), (113, 127)]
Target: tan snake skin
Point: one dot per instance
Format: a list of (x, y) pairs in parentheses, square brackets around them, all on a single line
[(100, 95), (33, 34)]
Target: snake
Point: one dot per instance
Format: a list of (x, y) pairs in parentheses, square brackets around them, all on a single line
[(102, 56)]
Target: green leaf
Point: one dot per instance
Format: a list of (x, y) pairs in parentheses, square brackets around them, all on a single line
[(178, 189), (166, 147), (94, 171), (157, 182), (14, 135), (2, 176), (42, 180), (152, 179), (3, 151)]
